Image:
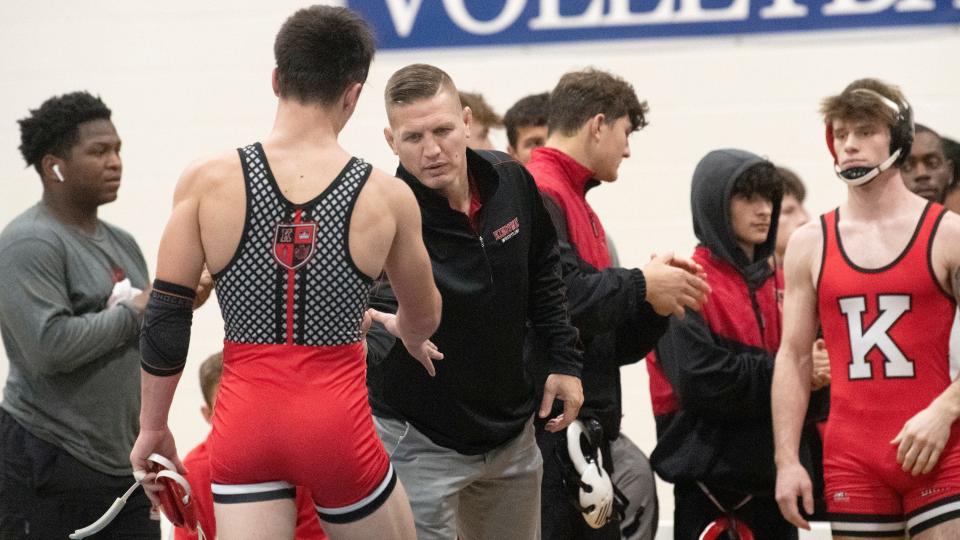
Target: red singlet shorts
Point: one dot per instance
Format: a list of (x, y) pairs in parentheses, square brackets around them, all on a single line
[(294, 415), (867, 491)]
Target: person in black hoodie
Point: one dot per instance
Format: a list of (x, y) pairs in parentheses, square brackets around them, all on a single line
[(718, 447), (462, 440)]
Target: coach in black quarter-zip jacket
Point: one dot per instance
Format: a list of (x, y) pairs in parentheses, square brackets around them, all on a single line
[(492, 281), (463, 442)]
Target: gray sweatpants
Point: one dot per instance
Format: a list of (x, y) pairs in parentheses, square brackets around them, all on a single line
[(634, 477), (488, 496)]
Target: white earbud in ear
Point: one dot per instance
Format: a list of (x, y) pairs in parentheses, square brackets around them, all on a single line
[(57, 173)]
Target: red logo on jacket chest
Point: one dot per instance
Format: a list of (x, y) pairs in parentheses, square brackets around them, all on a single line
[(294, 244), (508, 231)]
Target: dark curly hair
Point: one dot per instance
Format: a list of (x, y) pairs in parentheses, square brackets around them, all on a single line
[(792, 185), (54, 127), (760, 179)]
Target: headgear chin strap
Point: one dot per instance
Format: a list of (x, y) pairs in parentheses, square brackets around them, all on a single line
[(174, 500), (901, 139), (597, 498), (858, 176)]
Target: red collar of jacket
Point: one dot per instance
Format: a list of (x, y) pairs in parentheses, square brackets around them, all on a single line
[(561, 170), (566, 181), (731, 313)]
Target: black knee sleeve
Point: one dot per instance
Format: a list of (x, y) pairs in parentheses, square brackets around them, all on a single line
[(165, 336)]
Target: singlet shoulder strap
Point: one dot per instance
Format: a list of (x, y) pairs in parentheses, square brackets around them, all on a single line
[(828, 226), (251, 164), (933, 216), (929, 223)]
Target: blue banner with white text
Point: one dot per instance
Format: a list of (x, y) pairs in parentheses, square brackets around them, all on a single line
[(446, 23)]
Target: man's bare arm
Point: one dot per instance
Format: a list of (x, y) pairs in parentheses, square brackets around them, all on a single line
[(411, 276), (180, 262), (924, 436), (790, 392)]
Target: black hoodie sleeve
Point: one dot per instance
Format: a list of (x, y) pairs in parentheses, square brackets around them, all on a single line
[(379, 340), (715, 379), (639, 334), (547, 304), (601, 301)]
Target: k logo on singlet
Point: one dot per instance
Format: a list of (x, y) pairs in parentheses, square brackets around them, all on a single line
[(294, 244), (891, 306)]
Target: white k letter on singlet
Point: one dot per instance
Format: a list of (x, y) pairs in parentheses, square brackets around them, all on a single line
[(892, 307)]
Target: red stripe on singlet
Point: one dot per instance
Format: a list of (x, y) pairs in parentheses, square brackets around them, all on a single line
[(291, 279)]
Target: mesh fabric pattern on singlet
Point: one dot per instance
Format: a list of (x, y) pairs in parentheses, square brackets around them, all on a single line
[(282, 288)]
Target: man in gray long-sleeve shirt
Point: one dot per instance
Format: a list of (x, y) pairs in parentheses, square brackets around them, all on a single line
[(70, 312)]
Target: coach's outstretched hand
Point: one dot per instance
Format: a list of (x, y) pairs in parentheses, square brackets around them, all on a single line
[(793, 483), (419, 347), (674, 284)]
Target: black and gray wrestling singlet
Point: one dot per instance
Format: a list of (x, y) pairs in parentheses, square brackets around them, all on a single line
[(292, 279)]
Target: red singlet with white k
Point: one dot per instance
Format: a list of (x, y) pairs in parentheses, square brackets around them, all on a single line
[(887, 332)]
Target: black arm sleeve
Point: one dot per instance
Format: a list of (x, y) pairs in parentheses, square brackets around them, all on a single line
[(165, 336), (547, 303), (713, 379)]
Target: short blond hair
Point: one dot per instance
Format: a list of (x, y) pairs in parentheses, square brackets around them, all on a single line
[(412, 83)]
